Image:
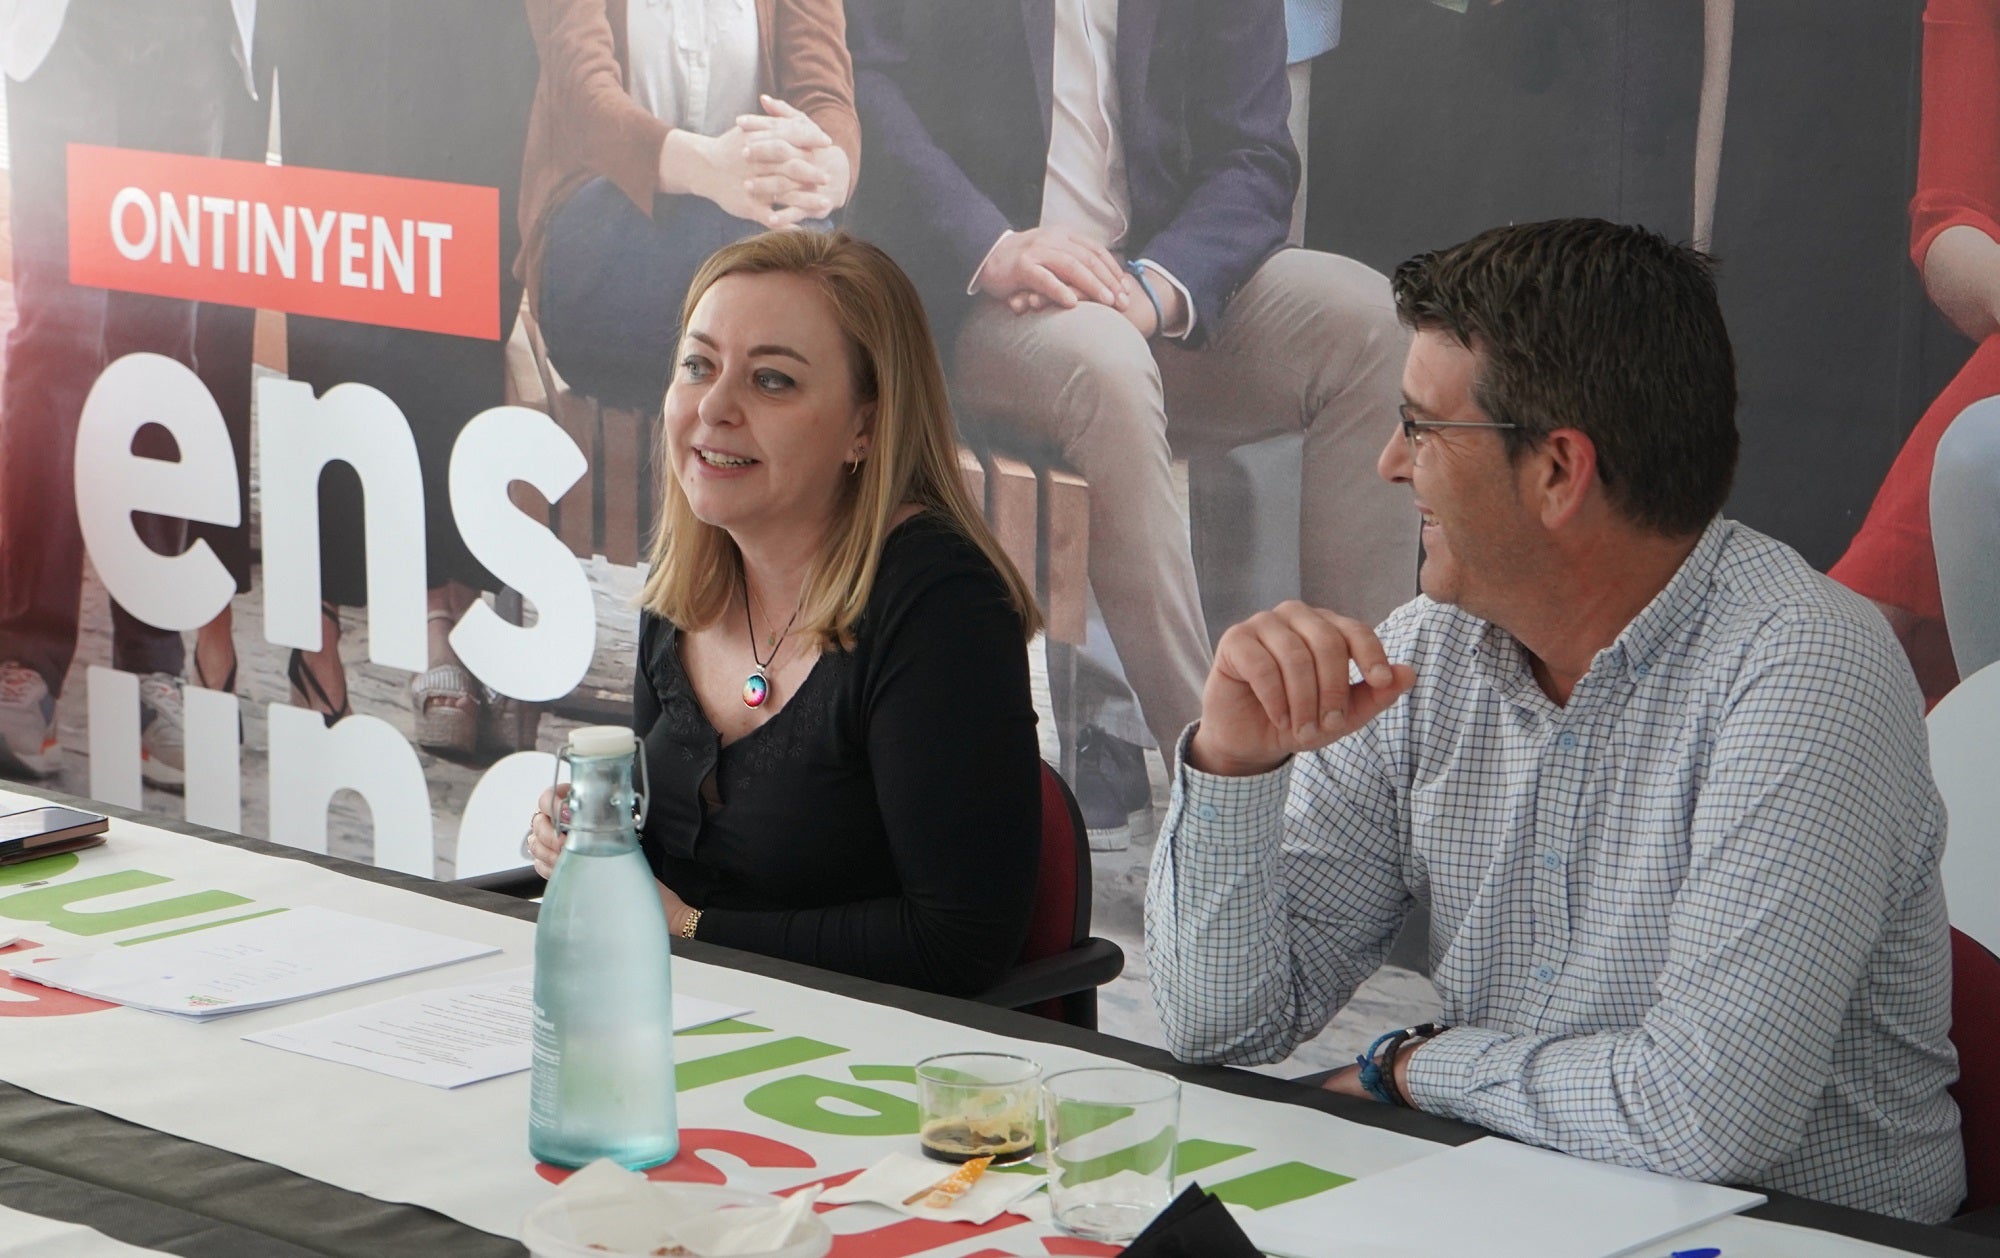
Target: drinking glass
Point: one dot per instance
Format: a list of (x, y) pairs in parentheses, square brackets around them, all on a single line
[(973, 1105), (1111, 1137)]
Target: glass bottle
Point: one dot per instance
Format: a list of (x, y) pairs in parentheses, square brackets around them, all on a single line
[(603, 1073)]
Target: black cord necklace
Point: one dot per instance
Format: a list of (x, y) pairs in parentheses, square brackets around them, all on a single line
[(757, 686)]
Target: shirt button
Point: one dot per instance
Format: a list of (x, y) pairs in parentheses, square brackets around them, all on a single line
[(1205, 811), (1550, 860), (1544, 973), (1643, 669), (1566, 741)]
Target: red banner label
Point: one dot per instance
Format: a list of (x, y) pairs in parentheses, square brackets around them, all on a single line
[(401, 253)]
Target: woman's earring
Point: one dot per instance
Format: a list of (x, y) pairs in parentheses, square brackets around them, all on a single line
[(854, 468)]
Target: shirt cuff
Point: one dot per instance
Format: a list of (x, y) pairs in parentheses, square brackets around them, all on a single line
[(1218, 812), (972, 285), (1187, 301), (1441, 1070)]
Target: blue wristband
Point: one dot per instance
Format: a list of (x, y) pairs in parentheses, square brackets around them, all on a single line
[(1378, 1068), (1138, 272), (1371, 1070)]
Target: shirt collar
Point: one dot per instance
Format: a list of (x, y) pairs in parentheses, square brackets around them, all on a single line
[(1683, 597), (1500, 656)]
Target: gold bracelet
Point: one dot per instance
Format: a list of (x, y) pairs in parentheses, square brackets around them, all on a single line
[(687, 927)]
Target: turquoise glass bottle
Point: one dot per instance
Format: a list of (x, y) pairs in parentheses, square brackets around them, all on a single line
[(603, 1073)]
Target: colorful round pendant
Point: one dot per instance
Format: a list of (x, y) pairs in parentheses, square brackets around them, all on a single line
[(755, 690)]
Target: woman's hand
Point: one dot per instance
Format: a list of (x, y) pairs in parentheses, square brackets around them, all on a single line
[(677, 910), (801, 139), (722, 169), (1962, 276), (544, 843)]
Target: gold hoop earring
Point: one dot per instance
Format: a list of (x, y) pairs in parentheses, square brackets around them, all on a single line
[(854, 468)]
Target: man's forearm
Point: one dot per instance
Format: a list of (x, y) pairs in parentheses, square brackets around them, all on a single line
[(1244, 963)]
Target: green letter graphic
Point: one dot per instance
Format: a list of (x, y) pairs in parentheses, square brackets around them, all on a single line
[(51, 904)]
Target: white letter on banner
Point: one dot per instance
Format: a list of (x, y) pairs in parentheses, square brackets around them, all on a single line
[(365, 754), (114, 736), (433, 234), (297, 436), (351, 248), (219, 209), (125, 200), (489, 830), (213, 792), (181, 591), (317, 231), (546, 661)]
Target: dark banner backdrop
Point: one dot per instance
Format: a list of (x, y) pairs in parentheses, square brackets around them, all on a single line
[(299, 537)]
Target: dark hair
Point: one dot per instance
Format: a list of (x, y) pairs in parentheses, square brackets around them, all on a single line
[(1607, 329)]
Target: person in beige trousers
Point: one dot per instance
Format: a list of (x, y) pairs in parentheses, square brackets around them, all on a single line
[(1101, 244)]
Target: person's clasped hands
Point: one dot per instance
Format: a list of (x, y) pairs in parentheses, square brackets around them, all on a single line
[(777, 169), (1282, 684)]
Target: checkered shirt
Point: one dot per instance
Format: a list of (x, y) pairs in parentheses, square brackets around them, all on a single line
[(1690, 921)]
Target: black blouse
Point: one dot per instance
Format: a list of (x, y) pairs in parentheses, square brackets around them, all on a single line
[(886, 821)]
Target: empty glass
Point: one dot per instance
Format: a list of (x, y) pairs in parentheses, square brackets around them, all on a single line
[(1112, 1132)]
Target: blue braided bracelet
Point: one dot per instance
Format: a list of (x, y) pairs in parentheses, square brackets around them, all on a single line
[(1371, 1070), (1138, 272)]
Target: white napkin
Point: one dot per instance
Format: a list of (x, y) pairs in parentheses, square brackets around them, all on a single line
[(607, 1205), (899, 1176)]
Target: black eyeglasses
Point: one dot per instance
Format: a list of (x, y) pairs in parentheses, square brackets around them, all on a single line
[(1414, 429)]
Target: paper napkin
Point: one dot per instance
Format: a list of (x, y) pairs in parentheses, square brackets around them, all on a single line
[(899, 1176)]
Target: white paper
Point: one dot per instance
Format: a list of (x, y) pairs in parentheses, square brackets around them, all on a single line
[(1496, 1198), (449, 1036), (252, 964)]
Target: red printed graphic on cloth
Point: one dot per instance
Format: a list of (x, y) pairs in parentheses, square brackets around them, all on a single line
[(689, 1167), (401, 253), (21, 999)]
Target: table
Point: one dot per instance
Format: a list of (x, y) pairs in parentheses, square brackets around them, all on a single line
[(162, 1191)]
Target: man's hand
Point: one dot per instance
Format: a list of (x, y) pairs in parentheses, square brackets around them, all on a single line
[(1055, 264), (1134, 307), (1280, 686), (1137, 309), (1347, 1080)]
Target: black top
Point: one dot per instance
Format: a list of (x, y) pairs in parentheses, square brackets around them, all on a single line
[(885, 822)]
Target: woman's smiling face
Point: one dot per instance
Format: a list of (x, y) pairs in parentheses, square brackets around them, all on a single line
[(761, 418)]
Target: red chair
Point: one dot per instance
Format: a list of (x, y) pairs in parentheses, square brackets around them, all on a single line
[(1975, 1032), (1062, 965)]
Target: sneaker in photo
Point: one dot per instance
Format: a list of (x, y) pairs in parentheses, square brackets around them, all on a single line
[(162, 732), (1112, 789), (27, 723)]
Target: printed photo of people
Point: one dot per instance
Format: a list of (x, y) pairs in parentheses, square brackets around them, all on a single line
[(1153, 242)]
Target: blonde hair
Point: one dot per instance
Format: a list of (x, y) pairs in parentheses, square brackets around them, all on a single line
[(696, 569)]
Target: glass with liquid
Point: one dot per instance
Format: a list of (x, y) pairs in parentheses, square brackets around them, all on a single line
[(972, 1105)]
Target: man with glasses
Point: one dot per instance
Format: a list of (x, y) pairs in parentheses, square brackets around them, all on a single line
[(1663, 787)]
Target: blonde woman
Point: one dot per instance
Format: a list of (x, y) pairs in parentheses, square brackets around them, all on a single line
[(833, 679)]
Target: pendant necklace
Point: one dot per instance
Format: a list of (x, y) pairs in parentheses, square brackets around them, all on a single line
[(757, 686)]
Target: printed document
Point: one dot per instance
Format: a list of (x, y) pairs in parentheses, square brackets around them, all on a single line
[(449, 1036)]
